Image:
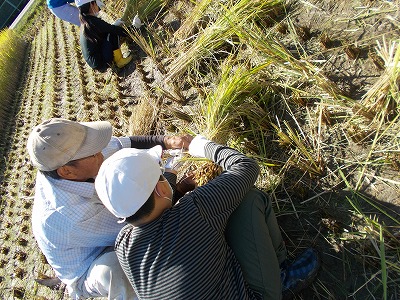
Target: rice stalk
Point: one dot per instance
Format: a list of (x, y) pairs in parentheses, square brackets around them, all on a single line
[(191, 21), (378, 232), (284, 63), (12, 51), (171, 92), (302, 157), (221, 111), (181, 115), (144, 8), (378, 135), (383, 262), (144, 43), (144, 118), (160, 41), (218, 33)]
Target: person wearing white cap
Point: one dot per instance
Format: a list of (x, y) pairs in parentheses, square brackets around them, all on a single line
[(220, 241), (99, 40), (72, 227)]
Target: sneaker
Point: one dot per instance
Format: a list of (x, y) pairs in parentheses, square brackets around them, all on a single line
[(300, 273)]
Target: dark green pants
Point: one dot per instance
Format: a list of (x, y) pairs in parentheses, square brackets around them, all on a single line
[(255, 238)]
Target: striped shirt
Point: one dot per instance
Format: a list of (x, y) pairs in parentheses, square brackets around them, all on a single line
[(183, 253)]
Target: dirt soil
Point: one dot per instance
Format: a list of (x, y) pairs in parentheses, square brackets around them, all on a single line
[(340, 36)]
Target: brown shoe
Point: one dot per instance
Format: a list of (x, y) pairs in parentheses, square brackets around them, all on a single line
[(53, 283)]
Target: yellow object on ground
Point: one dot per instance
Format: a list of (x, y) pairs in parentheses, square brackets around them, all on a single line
[(120, 60)]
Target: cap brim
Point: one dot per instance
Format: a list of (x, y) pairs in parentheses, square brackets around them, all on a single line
[(156, 152), (98, 135)]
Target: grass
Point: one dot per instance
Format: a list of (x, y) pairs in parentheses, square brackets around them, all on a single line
[(12, 53), (33, 19)]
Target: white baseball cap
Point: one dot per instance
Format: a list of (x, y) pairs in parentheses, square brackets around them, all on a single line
[(127, 178), (55, 142)]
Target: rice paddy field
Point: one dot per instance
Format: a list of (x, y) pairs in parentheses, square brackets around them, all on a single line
[(310, 89)]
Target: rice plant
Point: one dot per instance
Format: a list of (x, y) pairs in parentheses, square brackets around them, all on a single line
[(286, 66), (218, 33), (12, 52), (303, 156), (142, 8), (196, 14)]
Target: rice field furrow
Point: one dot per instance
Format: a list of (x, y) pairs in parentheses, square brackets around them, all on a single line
[(48, 80), (61, 75), (72, 96), (30, 92), (38, 76), (86, 78)]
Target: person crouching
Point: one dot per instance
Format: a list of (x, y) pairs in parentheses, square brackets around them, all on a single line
[(99, 40)]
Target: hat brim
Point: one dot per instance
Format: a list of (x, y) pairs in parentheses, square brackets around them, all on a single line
[(98, 135), (156, 152)]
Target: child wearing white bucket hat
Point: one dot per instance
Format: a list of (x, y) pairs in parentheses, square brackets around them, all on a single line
[(220, 241)]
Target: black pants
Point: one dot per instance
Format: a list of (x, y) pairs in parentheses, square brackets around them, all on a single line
[(108, 47)]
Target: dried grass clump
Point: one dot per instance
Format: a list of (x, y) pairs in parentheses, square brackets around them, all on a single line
[(383, 99), (143, 120)]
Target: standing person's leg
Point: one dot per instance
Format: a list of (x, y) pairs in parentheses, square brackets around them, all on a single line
[(105, 278), (67, 13), (254, 236)]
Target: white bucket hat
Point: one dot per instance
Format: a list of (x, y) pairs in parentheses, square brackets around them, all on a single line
[(82, 2), (127, 178), (78, 3), (55, 142)]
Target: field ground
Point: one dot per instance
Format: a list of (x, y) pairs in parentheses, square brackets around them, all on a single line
[(340, 195)]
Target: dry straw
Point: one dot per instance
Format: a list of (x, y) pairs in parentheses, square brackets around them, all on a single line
[(217, 33)]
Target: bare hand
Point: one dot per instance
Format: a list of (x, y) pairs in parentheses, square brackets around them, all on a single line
[(177, 142)]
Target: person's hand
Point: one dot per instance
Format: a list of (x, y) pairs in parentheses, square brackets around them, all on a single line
[(136, 22), (178, 142), (174, 161)]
